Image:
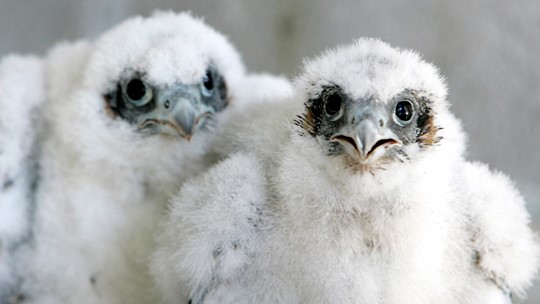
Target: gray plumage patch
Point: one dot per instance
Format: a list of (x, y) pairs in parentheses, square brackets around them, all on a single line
[(492, 276), (8, 183), (217, 252), (34, 175), (13, 292), (16, 298)]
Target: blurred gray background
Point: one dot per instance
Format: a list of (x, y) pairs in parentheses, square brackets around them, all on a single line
[(489, 50)]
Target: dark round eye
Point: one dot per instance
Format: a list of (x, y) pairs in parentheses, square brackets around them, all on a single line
[(135, 89), (404, 110), (137, 92), (208, 81), (333, 104)]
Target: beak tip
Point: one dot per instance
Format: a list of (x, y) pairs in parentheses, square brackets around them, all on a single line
[(189, 126)]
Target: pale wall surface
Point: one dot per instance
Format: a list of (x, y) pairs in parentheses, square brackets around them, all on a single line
[(489, 50)]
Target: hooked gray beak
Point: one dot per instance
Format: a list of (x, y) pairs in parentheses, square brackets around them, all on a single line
[(179, 112), (186, 117), (367, 140)]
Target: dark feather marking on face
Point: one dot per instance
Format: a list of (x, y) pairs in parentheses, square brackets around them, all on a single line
[(108, 109), (307, 122), (427, 130), (427, 135), (224, 91), (311, 120)]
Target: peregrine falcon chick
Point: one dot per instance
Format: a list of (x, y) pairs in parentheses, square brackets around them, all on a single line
[(128, 118), (365, 197)]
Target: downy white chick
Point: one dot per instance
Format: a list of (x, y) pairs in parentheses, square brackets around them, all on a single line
[(21, 84), (366, 198), (128, 118)]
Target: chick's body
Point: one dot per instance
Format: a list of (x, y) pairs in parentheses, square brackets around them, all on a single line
[(365, 198), (128, 118)]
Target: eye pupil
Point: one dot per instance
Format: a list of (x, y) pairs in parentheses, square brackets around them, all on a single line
[(136, 89), (333, 104), (208, 81), (404, 110)]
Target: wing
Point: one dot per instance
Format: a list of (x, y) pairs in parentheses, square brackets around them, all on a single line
[(211, 233), (506, 249), (22, 87)]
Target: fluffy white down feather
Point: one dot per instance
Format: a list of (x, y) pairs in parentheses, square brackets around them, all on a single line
[(283, 222), (103, 187), (21, 84)]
